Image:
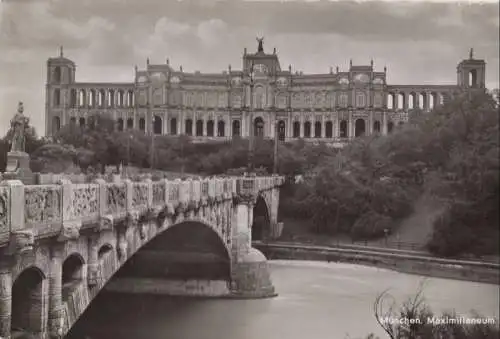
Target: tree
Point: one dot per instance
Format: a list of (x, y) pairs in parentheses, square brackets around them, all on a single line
[(417, 312)]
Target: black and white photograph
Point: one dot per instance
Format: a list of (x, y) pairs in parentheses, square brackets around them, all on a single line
[(249, 169)]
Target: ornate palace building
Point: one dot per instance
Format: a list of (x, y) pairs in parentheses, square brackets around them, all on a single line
[(334, 106)]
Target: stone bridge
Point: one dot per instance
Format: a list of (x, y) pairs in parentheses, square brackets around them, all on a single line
[(60, 244)]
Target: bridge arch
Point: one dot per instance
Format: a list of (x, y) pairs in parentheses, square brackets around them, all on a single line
[(190, 249), (208, 234), (104, 249), (261, 226), (72, 272), (28, 301)]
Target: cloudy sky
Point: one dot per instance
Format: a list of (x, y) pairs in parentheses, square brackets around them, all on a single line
[(420, 42)]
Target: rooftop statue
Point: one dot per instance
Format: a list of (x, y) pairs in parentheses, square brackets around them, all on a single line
[(260, 48), (18, 126)]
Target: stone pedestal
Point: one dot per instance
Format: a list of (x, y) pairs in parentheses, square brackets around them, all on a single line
[(18, 168), (251, 278)]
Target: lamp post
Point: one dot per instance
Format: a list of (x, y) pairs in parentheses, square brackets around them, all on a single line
[(276, 140), (153, 118), (250, 127), (129, 137)]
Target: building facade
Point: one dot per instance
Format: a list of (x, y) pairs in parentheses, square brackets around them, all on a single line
[(260, 99)]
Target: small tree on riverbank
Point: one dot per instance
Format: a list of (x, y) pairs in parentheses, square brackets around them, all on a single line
[(418, 313)]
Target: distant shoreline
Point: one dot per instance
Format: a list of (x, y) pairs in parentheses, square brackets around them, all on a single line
[(482, 272)]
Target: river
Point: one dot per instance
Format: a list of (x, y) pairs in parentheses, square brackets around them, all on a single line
[(316, 300)]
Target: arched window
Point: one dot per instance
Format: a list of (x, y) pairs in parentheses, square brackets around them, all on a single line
[(259, 98), (422, 100), (28, 301), (120, 99), (343, 129), (473, 78), (142, 124), (236, 128), (296, 129), (360, 100), (158, 125), (359, 127), (101, 98), (57, 74), (110, 102), (281, 130), (92, 98), (329, 129), (81, 98), (221, 125), (189, 127), (173, 126), (376, 126), (199, 128), (73, 98), (390, 101), (82, 122), (307, 129), (130, 98), (390, 126), (343, 100), (317, 129), (259, 127), (210, 128), (56, 124), (57, 97), (130, 123), (120, 124)]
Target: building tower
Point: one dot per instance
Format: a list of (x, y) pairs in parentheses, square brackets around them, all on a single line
[(58, 96), (471, 73)]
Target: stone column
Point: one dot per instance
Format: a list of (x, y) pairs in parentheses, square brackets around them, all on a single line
[(276, 227), (396, 101), (350, 132), (323, 126), (302, 126), (93, 270), (56, 320), (384, 123), (5, 298)]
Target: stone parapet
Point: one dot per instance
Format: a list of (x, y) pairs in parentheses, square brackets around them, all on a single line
[(64, 208)]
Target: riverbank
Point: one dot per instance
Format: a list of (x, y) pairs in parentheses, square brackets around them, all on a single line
[(402, 261)]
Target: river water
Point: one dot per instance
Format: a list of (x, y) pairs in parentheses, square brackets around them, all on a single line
[(316, 300)]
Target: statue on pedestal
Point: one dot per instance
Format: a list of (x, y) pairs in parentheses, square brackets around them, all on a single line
[(18, 125), (18, 161)]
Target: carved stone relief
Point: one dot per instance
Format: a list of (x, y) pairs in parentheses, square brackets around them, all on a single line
[(84, 202), (140, 194), (4, 209), (116, 198), (158, 193), (42, 204)]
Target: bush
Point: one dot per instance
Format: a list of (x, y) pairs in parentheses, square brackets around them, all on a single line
[(416, 309), (371, 225)]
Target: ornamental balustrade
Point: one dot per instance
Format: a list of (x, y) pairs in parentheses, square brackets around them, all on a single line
[(44, 208)]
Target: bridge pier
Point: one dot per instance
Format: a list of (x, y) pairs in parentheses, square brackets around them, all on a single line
[(249, 271), (56, 316), (5, 300)]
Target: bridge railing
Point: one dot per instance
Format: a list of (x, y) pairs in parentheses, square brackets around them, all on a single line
[(44, 209)]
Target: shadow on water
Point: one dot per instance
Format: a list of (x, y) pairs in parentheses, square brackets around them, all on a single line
[(126, 316)]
